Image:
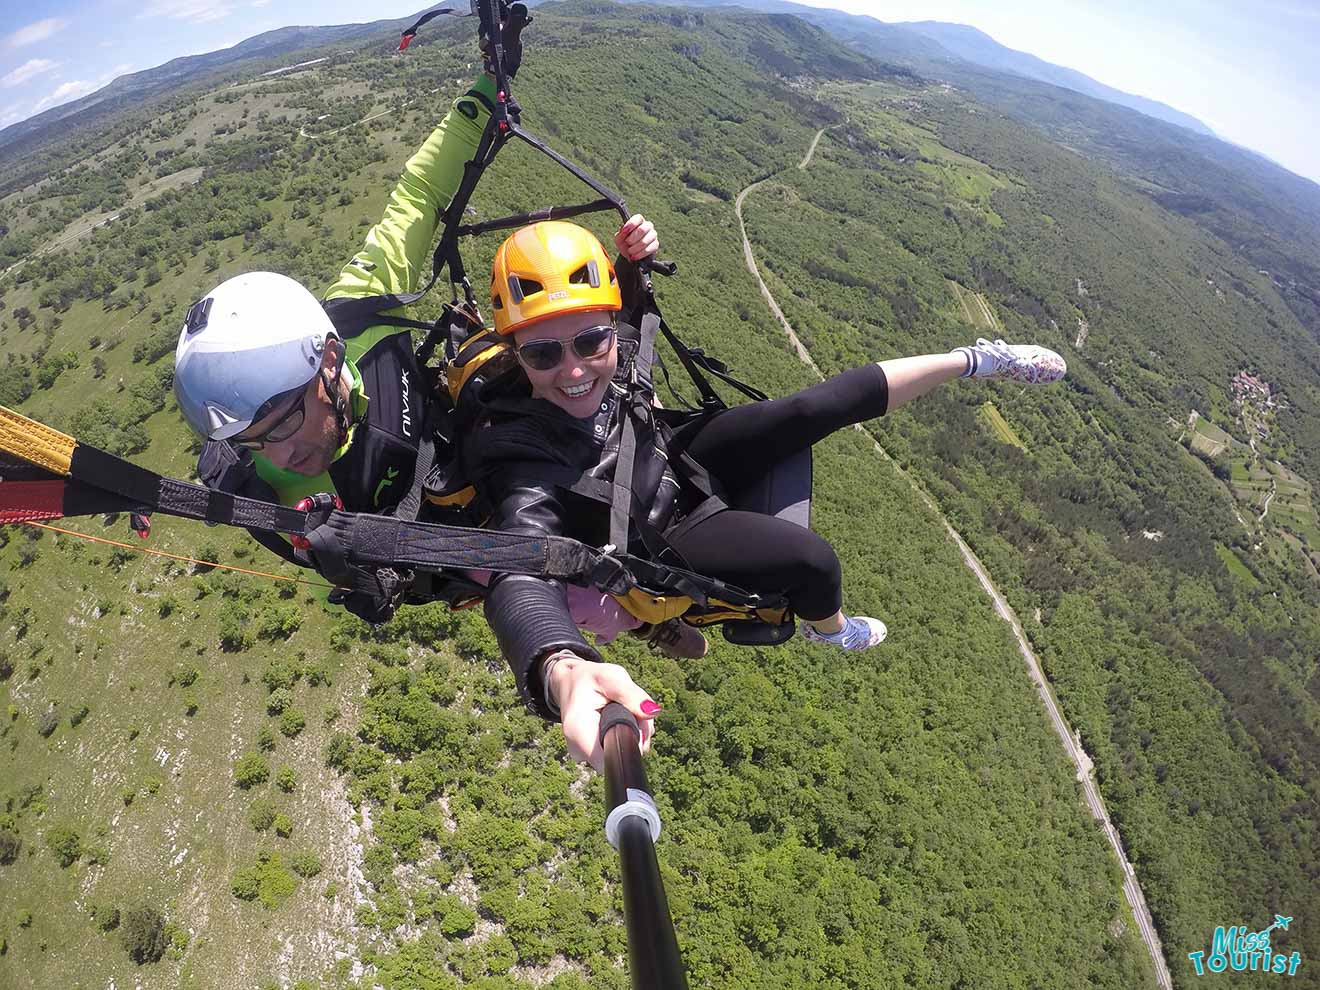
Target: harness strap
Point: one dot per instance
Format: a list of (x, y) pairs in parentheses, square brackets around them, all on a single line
[(638, 401)]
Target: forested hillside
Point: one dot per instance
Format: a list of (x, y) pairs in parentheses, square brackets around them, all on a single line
[(212, 772)]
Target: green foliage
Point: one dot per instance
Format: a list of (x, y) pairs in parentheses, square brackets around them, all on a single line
[(142, 934), (266, 739), (278, 621), (280, 674), (292, 722), (266, 880), (283, 825), (251, 769), (261, 814), (10, 844), (286, 780), (305, 864), (77, 715), (279, 700), (65, 844), (48, 721), (105, 917)]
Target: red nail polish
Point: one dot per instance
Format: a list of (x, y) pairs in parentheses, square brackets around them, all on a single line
[(649, 707)]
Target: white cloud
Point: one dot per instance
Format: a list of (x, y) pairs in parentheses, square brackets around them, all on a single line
[(260, 3), (28, 70), (33, 33), (197, 11), (11, 116), (64, 93)]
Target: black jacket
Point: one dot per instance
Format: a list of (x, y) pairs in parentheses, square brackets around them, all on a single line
[(526, 457)]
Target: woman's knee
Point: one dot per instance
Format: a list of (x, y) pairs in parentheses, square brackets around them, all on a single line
[(820, 564)]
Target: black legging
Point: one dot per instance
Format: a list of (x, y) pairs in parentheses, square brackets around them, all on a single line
[(738, 446)]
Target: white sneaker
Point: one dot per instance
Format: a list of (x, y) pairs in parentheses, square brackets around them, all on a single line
[(1030, 364), (858, 633)]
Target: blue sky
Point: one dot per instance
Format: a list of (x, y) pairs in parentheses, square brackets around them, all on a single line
[(1250, 70)]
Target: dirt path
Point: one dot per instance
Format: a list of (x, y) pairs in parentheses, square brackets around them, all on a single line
[(806, 159), (1274, 490), (1081, 761)]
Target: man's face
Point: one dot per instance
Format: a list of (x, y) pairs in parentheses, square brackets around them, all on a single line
[(576, 384), (311, 448)]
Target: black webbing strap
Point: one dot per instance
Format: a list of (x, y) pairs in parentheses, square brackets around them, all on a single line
[(411, 502), (637, 404), (351, 316), (367, 540)]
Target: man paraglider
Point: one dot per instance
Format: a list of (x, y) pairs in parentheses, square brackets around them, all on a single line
[(295, 408)]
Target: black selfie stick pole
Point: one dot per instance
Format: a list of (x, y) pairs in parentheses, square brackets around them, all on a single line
[(632, 825)]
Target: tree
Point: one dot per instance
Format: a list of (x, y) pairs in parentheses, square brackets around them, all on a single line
[(251, 769), (261, 815), (143, 934), (10, 844), (65, 843)]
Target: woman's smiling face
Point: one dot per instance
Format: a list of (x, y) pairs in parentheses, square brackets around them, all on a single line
[(576, 384)]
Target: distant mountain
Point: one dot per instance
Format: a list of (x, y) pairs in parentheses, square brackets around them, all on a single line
[(135, 86), (933, 42), (978, 47)]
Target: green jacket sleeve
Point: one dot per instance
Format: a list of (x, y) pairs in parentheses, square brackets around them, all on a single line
[(395, 257)]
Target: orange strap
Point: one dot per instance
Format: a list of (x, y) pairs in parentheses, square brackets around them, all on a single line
[(171, 556)]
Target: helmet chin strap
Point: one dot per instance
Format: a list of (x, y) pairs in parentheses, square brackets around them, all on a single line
[(337, 402)]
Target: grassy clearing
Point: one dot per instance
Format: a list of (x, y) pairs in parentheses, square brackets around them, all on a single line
[(999, 426), (974, 308), (1235, 566)]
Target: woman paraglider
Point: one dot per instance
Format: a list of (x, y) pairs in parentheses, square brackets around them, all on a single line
[(557, 297)]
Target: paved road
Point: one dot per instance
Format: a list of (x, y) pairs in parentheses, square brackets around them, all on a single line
[(1081, 761)]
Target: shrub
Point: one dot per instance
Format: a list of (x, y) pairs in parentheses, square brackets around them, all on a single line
[(278, 621), (232, 620), (266, 739), (251, 769), (48, 721), (261, 815), (338, 751), (65, 843), (279, 674), (305, 864), (78, 714), (143, 934), (24, 918), (186, 677), (10, 844), (286, 780), (105, 917), (280, 699), (267, 879), (292, 722), (283, 825)]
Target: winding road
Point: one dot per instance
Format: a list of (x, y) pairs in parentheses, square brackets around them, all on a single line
[(1081, 761)]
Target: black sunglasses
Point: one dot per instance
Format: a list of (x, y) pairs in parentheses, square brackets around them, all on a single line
[(543, 355), (284, 427)]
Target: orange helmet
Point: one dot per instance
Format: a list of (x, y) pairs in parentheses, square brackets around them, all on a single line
[(547, 269)]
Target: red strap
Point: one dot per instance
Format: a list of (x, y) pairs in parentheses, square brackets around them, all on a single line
[(27, 501)]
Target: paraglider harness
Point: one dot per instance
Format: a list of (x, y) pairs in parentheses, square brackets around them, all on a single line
[(379, 562)]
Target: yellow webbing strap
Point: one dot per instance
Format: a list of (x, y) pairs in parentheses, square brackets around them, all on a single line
[(35, 442), (653, 608)]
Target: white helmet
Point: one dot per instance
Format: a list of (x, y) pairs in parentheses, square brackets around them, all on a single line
[(250, 340)]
